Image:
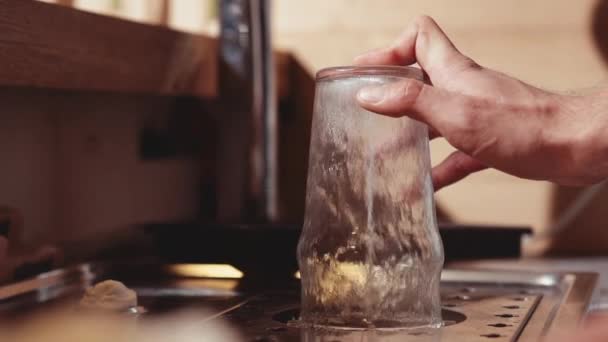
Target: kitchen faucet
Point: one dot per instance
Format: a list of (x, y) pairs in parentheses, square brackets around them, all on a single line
[(247, 155)]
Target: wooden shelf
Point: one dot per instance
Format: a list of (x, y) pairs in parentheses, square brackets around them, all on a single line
[(49, 46)]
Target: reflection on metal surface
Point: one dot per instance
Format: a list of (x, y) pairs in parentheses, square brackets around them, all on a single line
[(224, 271), (578, 289), (501, 277), (214, 284)]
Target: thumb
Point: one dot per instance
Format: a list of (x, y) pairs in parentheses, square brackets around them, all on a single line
[(447, 113)]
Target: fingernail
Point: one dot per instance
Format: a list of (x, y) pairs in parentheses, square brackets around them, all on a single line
[(371, 95)]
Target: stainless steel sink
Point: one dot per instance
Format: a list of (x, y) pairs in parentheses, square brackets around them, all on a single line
[(478, 305)]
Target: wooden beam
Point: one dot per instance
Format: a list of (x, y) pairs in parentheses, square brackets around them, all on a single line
[(50, 46)]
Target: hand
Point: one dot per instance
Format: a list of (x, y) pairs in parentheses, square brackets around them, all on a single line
[(492, 119)]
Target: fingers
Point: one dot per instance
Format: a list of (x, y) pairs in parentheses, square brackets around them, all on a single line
[(447, 114), (455, 167), (443, 111), (423, 42)]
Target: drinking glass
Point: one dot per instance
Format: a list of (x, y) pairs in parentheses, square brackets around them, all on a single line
[(370, 254)]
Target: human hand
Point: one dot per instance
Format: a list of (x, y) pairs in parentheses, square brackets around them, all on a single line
[(492, 119)]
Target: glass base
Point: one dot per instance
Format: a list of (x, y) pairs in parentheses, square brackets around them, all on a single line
[(380, 325)]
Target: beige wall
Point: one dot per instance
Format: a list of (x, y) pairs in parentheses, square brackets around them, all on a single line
[(545, 42)]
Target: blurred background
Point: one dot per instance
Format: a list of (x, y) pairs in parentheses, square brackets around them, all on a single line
[(75, 166)]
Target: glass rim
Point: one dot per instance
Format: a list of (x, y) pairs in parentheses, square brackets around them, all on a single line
[(369, 70)]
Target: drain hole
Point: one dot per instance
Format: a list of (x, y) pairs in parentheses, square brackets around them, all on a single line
[(491, 335), (450, 305), (500, 325), (511, 307), (450, 317), (506, 316), (520, 299)]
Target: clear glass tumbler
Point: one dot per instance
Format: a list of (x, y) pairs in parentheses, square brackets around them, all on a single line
[(370, 254)]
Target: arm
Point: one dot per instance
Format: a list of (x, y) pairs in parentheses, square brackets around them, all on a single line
[(493, 120)]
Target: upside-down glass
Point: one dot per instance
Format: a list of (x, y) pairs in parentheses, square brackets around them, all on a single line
[(370, 254)]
